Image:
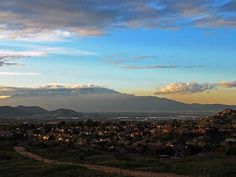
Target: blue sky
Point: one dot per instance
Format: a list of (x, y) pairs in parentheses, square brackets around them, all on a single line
[(139, 47)]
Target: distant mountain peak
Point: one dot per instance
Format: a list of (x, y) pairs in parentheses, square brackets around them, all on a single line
[(99, 99), (58, 90)]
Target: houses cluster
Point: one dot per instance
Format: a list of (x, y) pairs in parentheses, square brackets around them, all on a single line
[(156, 137)]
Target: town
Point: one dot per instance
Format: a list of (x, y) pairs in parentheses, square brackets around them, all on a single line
[(162, 138)]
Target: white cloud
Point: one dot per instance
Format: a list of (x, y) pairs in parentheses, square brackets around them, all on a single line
[(185, 88), (55, 89), (20, 54), (18, 74), (135, 67), (193, 87), (7, 55)]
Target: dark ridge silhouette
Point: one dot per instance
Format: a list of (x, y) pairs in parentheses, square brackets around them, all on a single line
[(63, 113), (112, 102), (34, 111)]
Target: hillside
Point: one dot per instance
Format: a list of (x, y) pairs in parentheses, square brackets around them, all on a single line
[(34, 112)]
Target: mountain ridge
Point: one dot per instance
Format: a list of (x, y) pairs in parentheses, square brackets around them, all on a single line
[(34, 111), (106, 100), (20, 111)]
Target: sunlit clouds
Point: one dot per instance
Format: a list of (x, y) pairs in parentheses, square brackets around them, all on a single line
[(185, 88), (39, 19), (7, 56), (193, 87), (160, 48), (54, 90), (227, 84)]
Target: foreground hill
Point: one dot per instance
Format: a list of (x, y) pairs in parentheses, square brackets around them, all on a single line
[(227, 113)]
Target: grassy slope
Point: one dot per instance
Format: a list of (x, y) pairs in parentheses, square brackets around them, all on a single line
[(212, 166), (14, 165)]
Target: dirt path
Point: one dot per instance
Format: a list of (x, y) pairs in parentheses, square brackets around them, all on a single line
[(100, 168)]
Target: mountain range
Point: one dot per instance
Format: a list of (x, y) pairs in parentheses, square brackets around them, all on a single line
[(97, 99), (34, 112)]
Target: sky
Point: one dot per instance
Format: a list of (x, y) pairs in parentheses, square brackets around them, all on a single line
[(183, 50)]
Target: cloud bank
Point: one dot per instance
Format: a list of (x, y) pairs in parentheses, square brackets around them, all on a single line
[(55, 90), (227, 84), (18, 74), (192, 87), (152, 67), (7, 55), (66, 90), (135, 67), (50, 20)]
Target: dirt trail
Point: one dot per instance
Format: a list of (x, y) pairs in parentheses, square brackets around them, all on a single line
[(105, 169)]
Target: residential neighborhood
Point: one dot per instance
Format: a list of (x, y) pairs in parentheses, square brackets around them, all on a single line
[(162, 138)]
